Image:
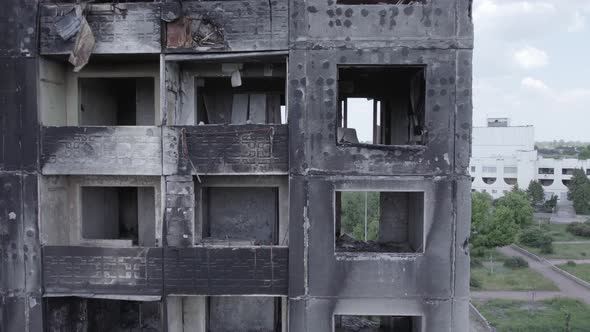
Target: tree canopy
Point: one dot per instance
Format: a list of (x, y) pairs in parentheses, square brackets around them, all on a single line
[(518, 203), (536, 193), (579, 192)]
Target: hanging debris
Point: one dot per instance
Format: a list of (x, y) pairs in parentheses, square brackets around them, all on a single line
[(68, 25), (83, 46)]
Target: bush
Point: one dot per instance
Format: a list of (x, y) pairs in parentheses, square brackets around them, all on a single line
[(579, 229), (474, 283), (546, 248), (475, 262), (571, 263), (536, 238), (516, 262), (478, 252)]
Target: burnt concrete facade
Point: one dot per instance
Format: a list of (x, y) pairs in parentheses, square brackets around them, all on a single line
[(244, 101)]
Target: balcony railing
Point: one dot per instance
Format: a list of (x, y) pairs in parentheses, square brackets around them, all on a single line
[(88, 271)]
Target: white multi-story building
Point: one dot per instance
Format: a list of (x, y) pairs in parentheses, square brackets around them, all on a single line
[(505, 155)]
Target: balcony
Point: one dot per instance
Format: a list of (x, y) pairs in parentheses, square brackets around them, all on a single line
[(226, 149), (90, 271), (101, 150)]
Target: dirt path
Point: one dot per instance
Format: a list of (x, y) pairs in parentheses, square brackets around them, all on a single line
[(563, 261), (567, 287), (514, 295)]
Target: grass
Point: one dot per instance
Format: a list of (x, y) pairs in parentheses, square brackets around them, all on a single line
[(493, 276), (581, 271), (544, 316), (565, 251), (559, 233)]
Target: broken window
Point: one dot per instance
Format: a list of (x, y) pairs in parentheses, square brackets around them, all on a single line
[(239, 214), (78, 314), (380, 2), (370, 221), (381, 105), (244, 313), (119, 213), (116, 101), (241, 98), (547, 171), (354, 323)]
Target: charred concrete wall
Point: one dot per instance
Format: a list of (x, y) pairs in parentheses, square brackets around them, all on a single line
[(20, 258), (433, 284), (295, 51)]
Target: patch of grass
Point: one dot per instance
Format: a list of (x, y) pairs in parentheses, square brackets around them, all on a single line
[(559, 233), (544, 316), (486, 255), (494, 276), (581, 271), (565, 251)]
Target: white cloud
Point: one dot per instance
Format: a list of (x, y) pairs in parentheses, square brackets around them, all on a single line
[(535, 84), (571, 96), (530, 57), (578, 23)]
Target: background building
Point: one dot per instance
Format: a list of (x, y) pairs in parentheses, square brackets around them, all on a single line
[(505, 155), (188, 174)]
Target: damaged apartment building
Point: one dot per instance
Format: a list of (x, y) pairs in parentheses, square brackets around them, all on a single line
[(257, 165)]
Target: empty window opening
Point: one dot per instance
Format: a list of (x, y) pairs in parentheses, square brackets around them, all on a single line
[(116, 101), (472, 179), (354, 323), (380, 2), (511, 181), (368, 221), (546, 171), (381, 105), (567, 171), (256, 100), (566, 182), (546, 182), (472, 169), (86, 315), (119, 213), (489, 180), (244, 313), (588, 172), (239, 214)]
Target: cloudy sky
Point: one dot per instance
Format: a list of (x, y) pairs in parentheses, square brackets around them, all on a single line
[(532, 64)]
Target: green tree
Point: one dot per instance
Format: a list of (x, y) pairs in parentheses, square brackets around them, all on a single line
[(500, 231), (481, 210), (536, 193), (518, 203), (579, 192), (352, 215), (584, 153)]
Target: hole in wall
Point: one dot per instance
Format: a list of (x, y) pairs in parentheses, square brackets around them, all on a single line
[(354, 323), (371, 221), (382, 105)]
